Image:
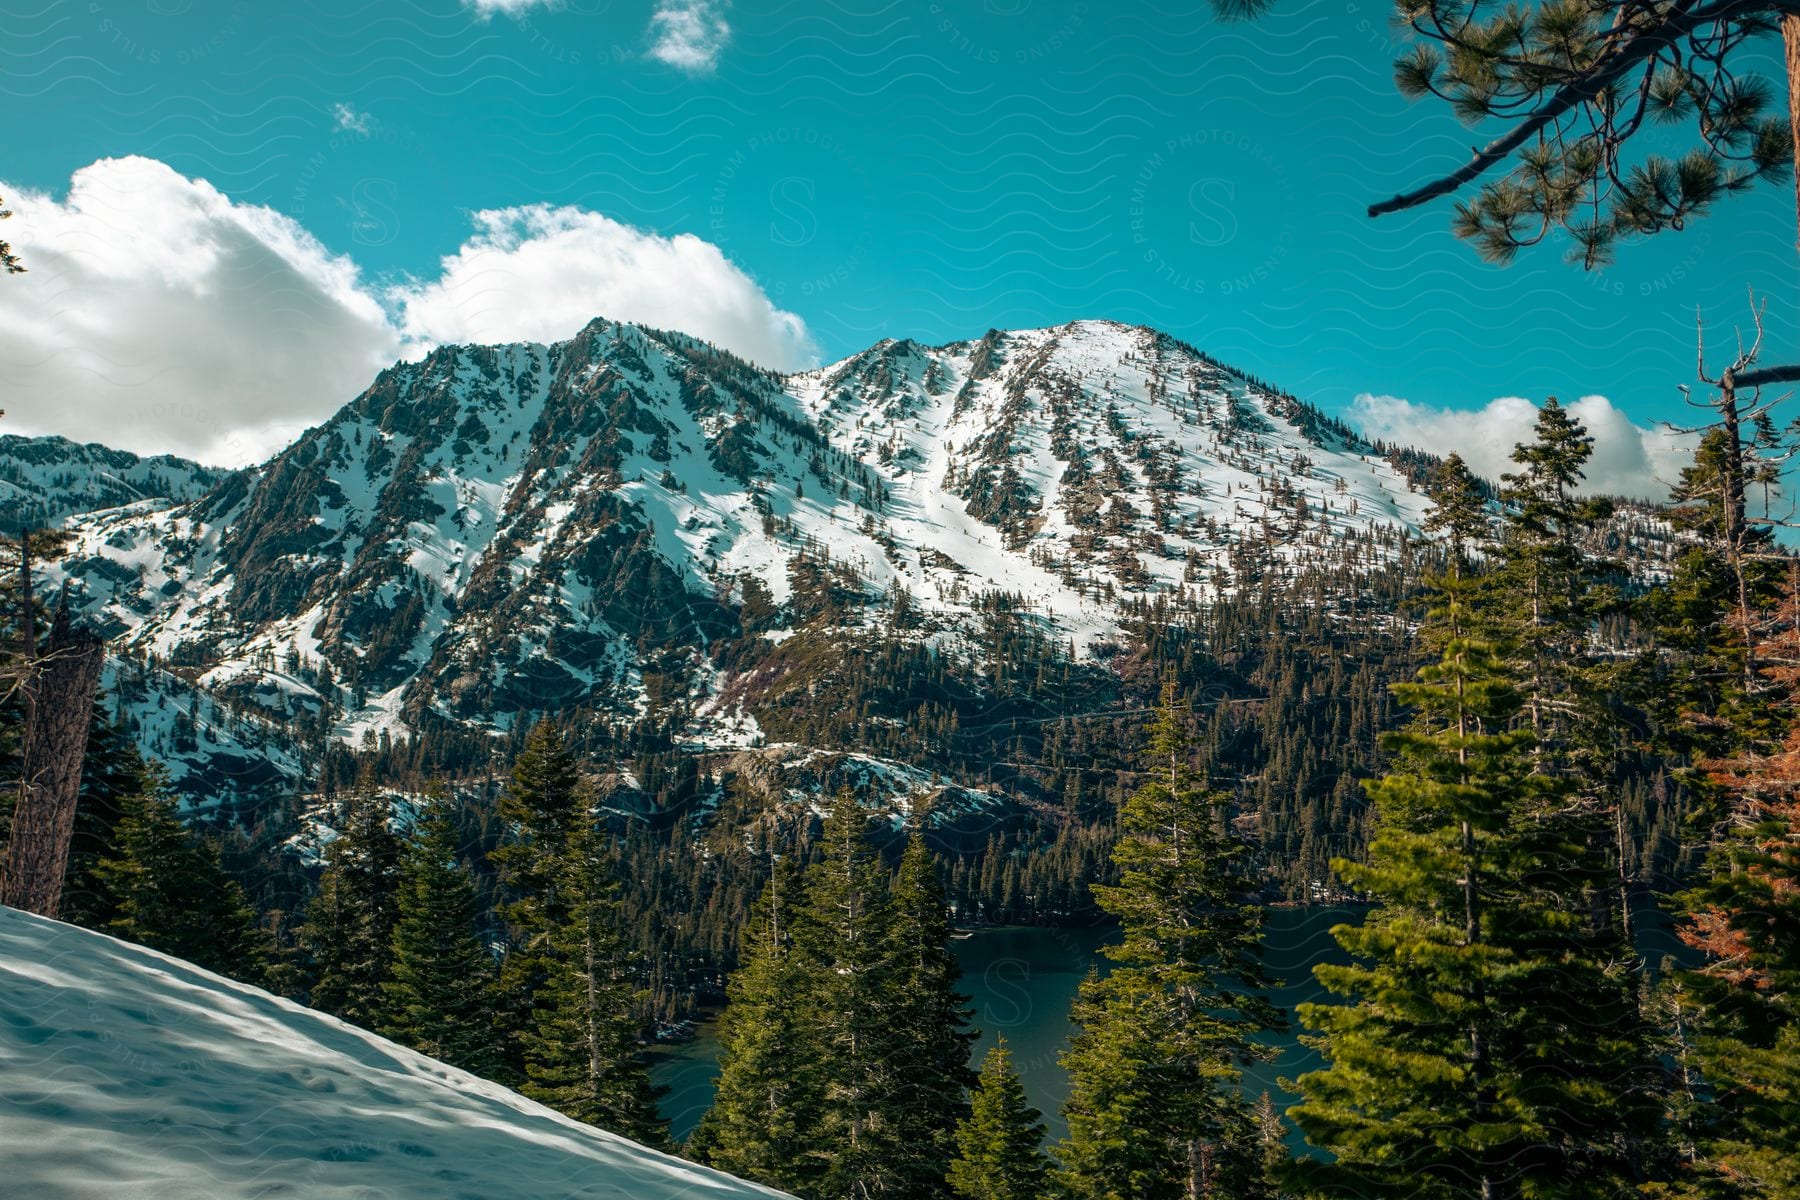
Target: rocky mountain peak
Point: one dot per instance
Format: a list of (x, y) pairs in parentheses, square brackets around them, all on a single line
[(497, 530)]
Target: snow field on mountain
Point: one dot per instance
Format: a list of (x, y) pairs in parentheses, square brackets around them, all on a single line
[(507, 499)]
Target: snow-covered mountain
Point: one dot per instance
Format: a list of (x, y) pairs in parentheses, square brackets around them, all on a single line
[(44, 480), (635, 522), (124, 1072)]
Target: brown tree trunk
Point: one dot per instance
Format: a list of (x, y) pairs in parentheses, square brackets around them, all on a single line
[(60, 686), (1790, 45)]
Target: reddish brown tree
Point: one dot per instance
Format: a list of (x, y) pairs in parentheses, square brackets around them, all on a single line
[(1746, 917), (1739, 920)]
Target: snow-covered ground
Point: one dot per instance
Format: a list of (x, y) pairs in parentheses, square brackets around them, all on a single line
[(126, 1073)]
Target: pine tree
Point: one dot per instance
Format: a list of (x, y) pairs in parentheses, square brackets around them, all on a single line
[(440, 987), (846, 936), (1459, 511), (1154, 1106), (1545, 599), (544, 805), (583, 1056), (930, 1062), (349, 930), (111, 770), (1706, 613), (1487, 1047), (770, 1090), (999, 1154), (1539, 584), (169, 892)]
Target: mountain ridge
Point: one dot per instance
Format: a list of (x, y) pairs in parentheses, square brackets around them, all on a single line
[(647, 529), (44, 480)]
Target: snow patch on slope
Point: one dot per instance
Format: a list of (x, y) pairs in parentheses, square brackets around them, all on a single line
[(126, 1072)]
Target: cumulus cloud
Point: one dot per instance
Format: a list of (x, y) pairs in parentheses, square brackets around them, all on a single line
[(689, 34), (1629, 459), (347, 119), (538, 273), (158, 315)]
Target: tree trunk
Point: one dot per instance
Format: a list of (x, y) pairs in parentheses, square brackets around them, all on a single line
[(1790, 44), (1200, 1169), (1623, 849), (591, 1016), (1735, 514), (60, 685), (28, 647)]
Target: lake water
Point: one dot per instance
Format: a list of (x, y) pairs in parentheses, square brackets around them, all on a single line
[(1020, 982)]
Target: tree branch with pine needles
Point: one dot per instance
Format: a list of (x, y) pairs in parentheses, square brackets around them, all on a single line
[(1578, 79)]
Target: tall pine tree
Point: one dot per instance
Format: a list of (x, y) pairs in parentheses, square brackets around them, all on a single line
[(1539, 586), (544, 805), (349, 930), (1543, 601), (1745, 915), (999, 1152), (438, 995), (847, 936), (1155, 1109), (1489, 1045), (764, 1120), (583, 1056), (930, 1060)]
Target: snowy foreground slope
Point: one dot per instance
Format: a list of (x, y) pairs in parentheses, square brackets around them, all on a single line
[(124, 1072)]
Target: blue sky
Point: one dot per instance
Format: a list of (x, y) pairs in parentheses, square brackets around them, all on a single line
[(924, 168)]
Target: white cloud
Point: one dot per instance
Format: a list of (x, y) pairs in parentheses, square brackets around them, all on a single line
[(689, 34), (344, 118), (487, 8), (538, 273), (1628, 460), (160, 316)]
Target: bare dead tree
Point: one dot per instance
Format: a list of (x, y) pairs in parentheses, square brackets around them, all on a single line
[(1738, 404)]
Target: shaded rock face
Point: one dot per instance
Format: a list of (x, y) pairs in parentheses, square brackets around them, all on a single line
[(633, 523)]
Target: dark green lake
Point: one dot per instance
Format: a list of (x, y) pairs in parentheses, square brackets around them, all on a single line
[(1020, 982)]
